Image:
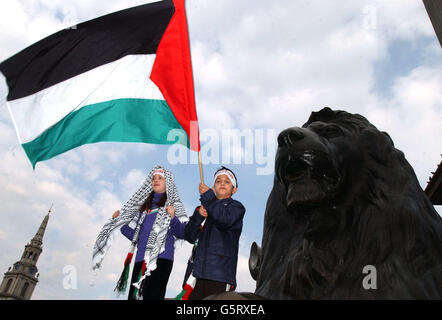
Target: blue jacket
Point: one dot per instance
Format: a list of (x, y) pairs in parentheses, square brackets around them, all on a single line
[(216, 254)]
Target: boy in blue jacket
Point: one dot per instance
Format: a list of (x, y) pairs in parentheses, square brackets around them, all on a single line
[(216, 254)]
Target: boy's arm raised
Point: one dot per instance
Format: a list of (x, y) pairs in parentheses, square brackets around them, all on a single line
[(193, 226), (224, 212)]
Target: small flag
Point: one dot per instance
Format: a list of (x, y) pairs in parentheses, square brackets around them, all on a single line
[(187, 289), (123, 77)]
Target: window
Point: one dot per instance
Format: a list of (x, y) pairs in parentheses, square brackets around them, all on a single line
[(24, 289), (8, 285), (31, 270)]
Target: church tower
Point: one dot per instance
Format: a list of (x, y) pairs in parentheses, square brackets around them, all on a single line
[(20, 280)]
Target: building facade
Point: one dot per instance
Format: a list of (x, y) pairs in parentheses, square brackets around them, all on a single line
[(434, 186), (20, 280), (434, 10)]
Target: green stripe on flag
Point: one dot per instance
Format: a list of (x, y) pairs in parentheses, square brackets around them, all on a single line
[(121, 120)]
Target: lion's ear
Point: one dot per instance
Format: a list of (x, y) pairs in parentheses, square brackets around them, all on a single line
[(325, 114), (388, 136), (378, 145)]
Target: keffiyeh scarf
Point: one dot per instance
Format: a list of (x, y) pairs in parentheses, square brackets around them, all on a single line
[(157, 237)]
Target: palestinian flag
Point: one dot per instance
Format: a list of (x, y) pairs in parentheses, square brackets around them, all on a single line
[(187, 289), (123, 77)]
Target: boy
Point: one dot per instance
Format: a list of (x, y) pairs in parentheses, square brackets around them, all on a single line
[(216, 253)]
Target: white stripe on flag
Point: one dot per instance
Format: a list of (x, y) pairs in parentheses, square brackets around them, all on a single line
[(13, 122), (124, 78)]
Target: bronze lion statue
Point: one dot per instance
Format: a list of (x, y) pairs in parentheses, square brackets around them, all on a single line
[(345, 201)]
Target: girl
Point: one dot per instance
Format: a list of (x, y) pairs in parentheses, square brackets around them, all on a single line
[(153, 218)]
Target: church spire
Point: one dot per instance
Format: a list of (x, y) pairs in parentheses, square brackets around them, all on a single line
[(20, 280), (38, 238)]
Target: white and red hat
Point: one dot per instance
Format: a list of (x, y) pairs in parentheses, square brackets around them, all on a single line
[(228, 173), (159, 172)]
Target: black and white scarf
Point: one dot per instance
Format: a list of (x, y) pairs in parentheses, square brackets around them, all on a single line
[(130, 211)]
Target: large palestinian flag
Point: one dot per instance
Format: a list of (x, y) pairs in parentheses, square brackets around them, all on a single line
[(126, 77)]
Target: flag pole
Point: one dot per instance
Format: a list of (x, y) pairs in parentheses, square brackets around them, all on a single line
[(200, 163), (201, 167)]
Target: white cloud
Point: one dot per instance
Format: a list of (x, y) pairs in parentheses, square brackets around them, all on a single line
[(131, 183), (402, 19), (412, 117), (273, 58), (245, 282)]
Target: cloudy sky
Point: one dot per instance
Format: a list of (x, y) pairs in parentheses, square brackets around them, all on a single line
[(259, 67)]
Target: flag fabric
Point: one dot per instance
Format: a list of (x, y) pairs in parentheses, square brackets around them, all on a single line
[(123, 77), (187, 289)]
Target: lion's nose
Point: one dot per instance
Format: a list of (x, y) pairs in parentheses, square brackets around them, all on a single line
[(289, 136)]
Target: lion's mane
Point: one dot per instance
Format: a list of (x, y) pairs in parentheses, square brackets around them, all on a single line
[(376, 215)]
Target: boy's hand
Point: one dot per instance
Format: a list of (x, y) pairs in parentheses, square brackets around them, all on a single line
[(171, 211), (116, 214), (203, 211), (203, 188)]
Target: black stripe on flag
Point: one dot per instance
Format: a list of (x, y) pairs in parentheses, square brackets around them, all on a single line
[(93, 43)]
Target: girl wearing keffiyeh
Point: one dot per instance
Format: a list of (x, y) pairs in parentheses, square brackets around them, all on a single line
[(153, 219)]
